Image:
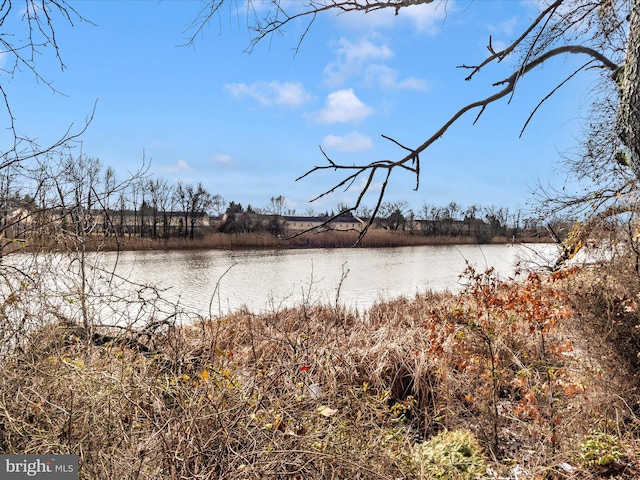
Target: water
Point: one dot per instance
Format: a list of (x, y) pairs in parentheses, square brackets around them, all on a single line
[(215, 282)]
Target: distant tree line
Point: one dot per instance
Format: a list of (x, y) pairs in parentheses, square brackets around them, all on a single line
[(476, 222), (78, 195)]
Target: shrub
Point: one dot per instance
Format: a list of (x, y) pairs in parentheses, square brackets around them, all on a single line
[(600, 449), (454, 454)]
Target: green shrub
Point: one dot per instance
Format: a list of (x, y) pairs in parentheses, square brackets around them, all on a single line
[(454, 454), (600, 448)]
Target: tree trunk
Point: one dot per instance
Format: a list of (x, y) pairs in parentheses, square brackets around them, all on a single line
[(629, 82)]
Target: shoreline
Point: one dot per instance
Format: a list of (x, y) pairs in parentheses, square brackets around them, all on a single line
[(255, 241)]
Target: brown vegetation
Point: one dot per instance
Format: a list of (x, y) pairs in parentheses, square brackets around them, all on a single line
[(540, 374), (327, 239)]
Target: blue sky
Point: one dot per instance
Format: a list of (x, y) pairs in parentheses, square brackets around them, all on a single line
[(246, 125)]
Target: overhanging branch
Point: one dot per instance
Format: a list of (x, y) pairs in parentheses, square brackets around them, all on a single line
[(277, 18), (411, 161)]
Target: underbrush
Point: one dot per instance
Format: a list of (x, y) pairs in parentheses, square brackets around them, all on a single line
[(529, 378)]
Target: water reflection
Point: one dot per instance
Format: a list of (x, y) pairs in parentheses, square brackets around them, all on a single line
[(218, 281)]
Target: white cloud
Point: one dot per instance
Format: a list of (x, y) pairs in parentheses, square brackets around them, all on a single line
[(220, 158), (275, 93), (350, 58), (160, 144), (355, 59), (387, 78), (180, 166), (507, 27), (351, 142), (428, 17), (343, 106), (32, 9)]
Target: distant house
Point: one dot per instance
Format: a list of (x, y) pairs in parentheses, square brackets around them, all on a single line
[(298, 224), (289, 224), (347, 222), (202, 219), (14, 223)]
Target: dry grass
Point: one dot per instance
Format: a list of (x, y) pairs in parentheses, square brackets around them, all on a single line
[(320, 392), (327, 239)]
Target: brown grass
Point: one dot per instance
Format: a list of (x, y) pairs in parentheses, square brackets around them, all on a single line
[(327, 239), (320, 392)]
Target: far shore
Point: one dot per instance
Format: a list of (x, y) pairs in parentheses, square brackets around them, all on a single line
[(328, 239)]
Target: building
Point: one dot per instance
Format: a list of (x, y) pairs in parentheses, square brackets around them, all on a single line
[(299, 224)]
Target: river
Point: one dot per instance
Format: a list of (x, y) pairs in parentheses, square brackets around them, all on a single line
[(215, 282)]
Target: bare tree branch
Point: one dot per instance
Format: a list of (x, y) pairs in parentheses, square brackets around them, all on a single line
[(550, 94), (275, 18), (413, 156), (502, 54), (592, 28), (19, 154), (21, 49)]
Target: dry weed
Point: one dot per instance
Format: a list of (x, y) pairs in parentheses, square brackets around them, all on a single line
[(321, 392)]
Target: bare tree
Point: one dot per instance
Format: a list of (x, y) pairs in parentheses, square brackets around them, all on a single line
[(595, 31), (194, 203), (76, 184), (198, 201), (363, 212), (160, 192), (21, 44), (393, 215), (277, 206), (218, 204), (628, 121), (180, 199), (450, 216), (433, 216), (8, 206), (603, 182), (470, 218), (74, 201), (109, 188), (497, 217), (136, 197)]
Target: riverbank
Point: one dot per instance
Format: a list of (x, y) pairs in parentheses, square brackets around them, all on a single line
[(526, 381), (328, 239)]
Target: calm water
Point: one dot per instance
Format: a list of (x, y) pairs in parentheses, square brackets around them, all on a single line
[(218, 281)]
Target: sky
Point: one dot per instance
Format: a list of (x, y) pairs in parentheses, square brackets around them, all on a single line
[(247, 125)]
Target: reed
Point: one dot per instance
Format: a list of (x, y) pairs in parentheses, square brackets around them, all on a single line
[(327, 239)]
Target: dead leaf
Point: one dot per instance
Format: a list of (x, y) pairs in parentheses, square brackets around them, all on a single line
[(326, 411)]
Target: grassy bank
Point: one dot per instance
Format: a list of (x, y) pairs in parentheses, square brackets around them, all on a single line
[(537, 377), (329, 239)]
